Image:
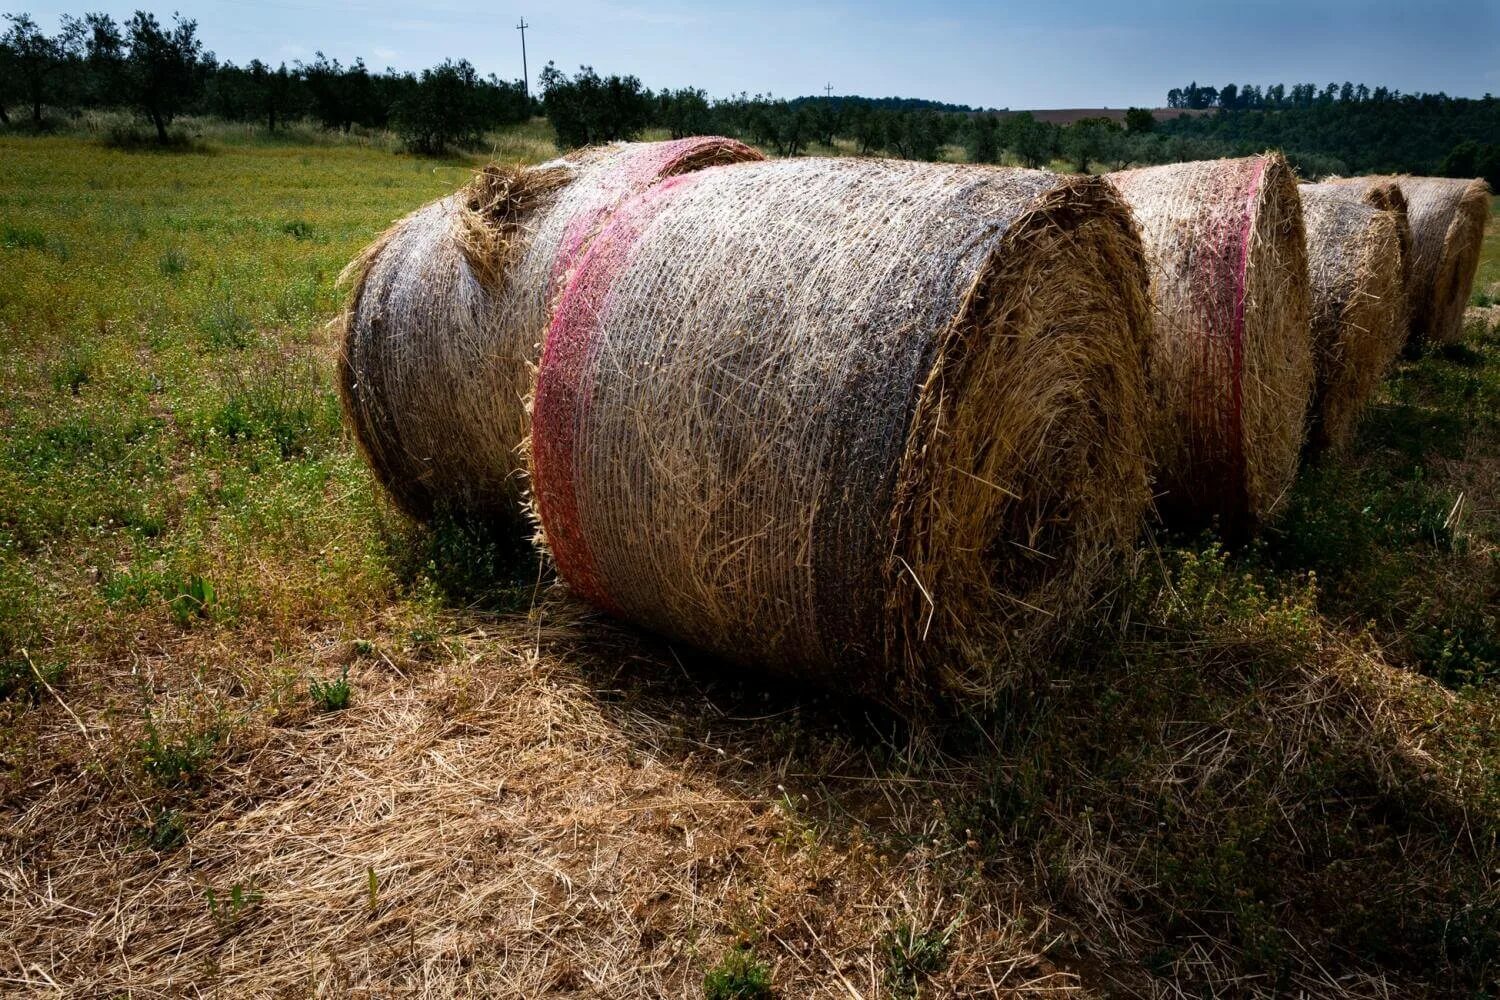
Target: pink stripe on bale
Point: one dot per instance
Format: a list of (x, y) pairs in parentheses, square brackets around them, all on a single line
[(1227, 250), (564, 387), (632, 172)]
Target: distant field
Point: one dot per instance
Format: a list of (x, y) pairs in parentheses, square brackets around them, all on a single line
[(1067, 116), (260, 736)]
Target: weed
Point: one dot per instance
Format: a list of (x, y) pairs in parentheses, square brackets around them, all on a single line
[(738, 976), (298, 229), (226, 325), (177, 762), (23, 238), (165, 831), (331, 695), (173, 263), (227, 911), (474, 561), (912, 953), (23, 680), (189, 598)]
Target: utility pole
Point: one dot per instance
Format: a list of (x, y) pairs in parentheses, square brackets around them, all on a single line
[(525, 73), (828, 89)]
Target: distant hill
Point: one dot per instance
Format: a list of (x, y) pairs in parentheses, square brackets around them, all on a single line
[(885, 103), (1067, 116), (1055, 116)]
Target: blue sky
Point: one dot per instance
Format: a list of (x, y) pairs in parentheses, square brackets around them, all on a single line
[(1079, 54)]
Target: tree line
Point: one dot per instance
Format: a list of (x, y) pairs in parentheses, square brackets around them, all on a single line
[(162, 71), (1355, 128)]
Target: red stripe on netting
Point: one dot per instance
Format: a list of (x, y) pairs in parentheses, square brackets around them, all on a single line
[(1221, 267), (629, 173), (564, 388)]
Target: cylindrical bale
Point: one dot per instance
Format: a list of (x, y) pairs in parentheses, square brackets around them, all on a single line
[(448, 309), (1231, 369), (877, 424), (1447, 223), (1355, 262)]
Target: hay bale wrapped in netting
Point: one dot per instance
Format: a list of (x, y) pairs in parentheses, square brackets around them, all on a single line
[(1231, 369), (1356, 264), (875, 423), (448, 309), (1447, 223)]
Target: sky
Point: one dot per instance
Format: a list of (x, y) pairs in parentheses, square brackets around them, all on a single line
[(1083, 53)]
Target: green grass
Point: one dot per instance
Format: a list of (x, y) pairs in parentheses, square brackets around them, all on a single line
[(168, 419), (1487, 278)]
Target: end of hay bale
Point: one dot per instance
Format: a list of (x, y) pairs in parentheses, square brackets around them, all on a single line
[(1463, 244), (1359, 304)]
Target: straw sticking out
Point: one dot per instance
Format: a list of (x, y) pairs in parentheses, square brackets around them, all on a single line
[(448, 309)]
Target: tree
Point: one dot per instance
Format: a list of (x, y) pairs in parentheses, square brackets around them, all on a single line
[(868, 129), (165, 67), (918, 135), (684, 112), (1139, 120), (1090, 140), (1032, 141), (104, 58), (825, 121), (444, 110), (982, 139), (589, 109), (272, 91), (35, 59)]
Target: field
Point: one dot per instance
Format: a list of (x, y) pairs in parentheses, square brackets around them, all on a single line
[(259, 735)]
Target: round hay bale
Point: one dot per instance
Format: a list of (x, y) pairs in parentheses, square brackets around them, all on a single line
[(875, 423), (1447, 222), (1231, 370), (1358, 304), (447, 312)]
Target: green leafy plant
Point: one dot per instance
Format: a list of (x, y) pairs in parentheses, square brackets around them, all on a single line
[(738, 976), (172, 763), (229, 909), (23, 680), (913, 953), (331, 695), (173, 263), (191, 597), (165, 831)]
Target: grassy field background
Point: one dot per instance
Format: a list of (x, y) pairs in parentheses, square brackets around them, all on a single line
[(259, 734)]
